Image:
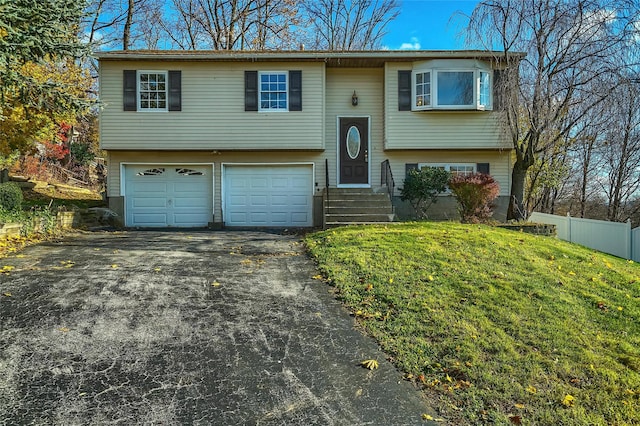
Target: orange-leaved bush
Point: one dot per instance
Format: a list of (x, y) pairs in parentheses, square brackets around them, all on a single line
[(475, 194)]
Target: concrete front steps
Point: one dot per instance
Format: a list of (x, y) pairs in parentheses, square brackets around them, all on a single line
[(351, 206)]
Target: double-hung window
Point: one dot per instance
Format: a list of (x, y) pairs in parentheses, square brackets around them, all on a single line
[(273, 91), (152, 90), (423, 89)]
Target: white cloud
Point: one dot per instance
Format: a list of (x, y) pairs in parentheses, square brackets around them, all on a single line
[(414, 44)]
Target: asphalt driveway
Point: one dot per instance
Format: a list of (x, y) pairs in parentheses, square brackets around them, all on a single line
[(166, 328)]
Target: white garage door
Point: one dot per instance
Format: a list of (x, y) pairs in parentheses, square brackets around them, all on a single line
[(168, 195), (272, 196)]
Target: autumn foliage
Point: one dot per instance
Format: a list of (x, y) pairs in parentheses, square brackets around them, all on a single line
[(475, 194)]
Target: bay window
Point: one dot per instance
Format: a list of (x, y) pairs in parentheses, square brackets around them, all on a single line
[(451, 89)]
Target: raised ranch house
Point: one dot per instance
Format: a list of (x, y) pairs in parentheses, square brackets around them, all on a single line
[(292, 139)]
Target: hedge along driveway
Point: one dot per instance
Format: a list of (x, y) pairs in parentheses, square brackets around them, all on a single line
[(185, 328)]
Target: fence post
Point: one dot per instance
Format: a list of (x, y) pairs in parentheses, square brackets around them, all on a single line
[(630, 240), (569, 227)]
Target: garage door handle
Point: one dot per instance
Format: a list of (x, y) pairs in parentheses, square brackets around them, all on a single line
[(169, 201)]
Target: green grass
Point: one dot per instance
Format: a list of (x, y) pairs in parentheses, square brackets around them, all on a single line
[(497, 327)]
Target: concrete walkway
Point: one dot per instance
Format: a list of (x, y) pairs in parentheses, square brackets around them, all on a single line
[(168, 328)]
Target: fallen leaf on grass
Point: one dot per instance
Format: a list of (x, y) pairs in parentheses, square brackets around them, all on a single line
[(7, 294), (215, 284), (6, 269), (114, 266), (370, 364), (531, 389), (63, 329), (516, 420), (317, 277), (568, 401)]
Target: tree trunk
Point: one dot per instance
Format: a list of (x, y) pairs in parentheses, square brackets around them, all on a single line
[(126, 33), (516, 209)]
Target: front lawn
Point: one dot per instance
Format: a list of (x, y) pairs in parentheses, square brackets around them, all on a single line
[(497, 327)]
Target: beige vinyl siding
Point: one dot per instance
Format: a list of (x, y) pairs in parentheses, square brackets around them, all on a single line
[(499, 163), (436, 129), (115, 158), (368, 84), (213, 115)]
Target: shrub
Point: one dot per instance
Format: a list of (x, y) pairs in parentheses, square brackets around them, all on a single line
[(421, 188), (475, 194), (10, 196)]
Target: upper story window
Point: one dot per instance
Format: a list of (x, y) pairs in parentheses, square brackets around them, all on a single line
[(152, 91), (465, 86), (273, 91)]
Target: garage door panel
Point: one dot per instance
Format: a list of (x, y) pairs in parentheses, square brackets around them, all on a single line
[(162, 195), (258, 201), (280, 183), (259, 218), (300, 218), (298, 200), (300, 182), (279, 200), (239, 182), (191, 219), (238, 217), (190, 187), (276, 195), (191, 202), (140, 202), (238, 199), (148, 188), (259, 183), (150, 219)]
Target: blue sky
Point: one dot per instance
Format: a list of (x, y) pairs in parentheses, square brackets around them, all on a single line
[(428, 24)]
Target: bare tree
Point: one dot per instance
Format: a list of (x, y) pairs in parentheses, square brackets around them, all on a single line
[(349, 24), (570, 45), (109, 23), (621, 177), (231, 24)]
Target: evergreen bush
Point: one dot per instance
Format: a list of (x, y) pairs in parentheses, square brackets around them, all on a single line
[(10, 196)]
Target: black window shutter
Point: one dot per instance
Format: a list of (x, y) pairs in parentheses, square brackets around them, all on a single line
[(408, 167), (130, 92), (482, 168), (175, 90), (251, 90), (498, 90), (295, 90), (404, 90)]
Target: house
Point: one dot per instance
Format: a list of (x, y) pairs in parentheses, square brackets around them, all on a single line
[(263, 139)]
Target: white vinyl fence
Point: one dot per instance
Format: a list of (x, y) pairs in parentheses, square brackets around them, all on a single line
[(609, 237)]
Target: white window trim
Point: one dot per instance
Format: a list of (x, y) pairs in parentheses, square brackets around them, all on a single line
[(286, 91), (166, 89), (447, 167), (434, 105), (414, 95)]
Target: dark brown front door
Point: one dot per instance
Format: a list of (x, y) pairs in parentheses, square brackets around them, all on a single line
[(354, 150)]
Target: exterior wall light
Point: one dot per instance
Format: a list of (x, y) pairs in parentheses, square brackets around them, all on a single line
[(354, 99)]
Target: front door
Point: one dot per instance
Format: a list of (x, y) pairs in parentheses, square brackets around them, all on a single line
[(354, 151)]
